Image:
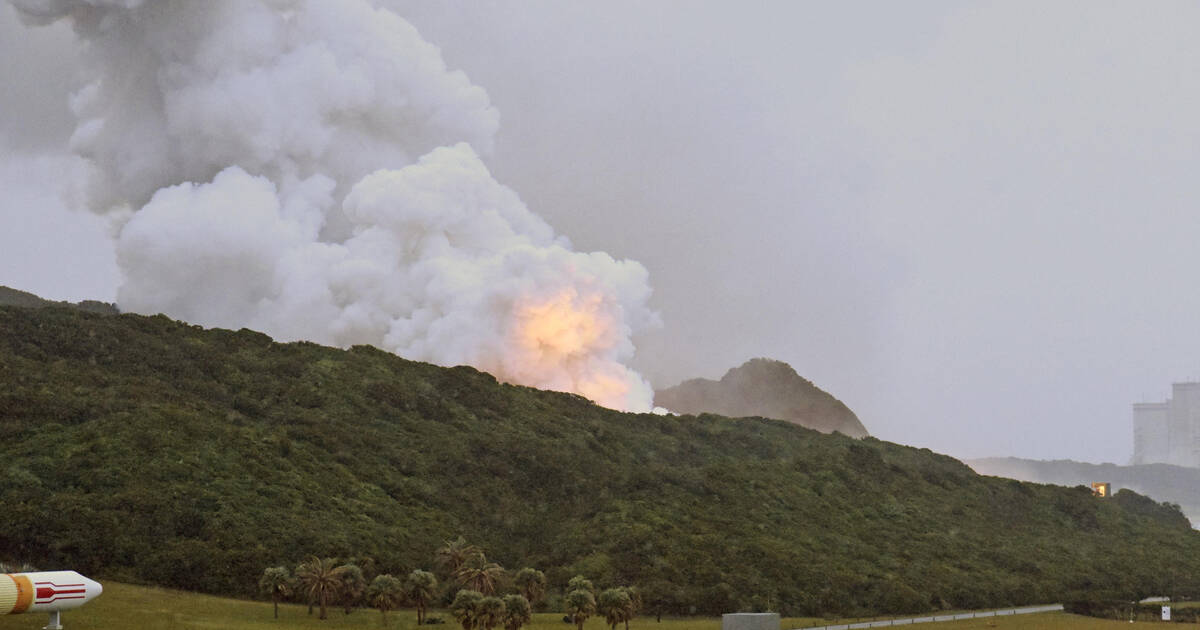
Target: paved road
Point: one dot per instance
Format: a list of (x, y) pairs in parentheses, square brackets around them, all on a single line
[(884, 623)]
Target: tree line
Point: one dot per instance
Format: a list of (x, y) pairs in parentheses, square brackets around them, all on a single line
[(474, 590)]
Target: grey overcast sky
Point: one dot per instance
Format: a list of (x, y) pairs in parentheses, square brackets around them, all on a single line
[(975, 223)]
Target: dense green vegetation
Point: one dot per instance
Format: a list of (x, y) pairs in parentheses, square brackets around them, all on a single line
[(145, 450)]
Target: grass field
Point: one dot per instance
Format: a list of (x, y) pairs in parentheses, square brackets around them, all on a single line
[(126, 607)]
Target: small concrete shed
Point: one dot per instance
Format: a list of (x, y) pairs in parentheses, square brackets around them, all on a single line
[(750, 621)]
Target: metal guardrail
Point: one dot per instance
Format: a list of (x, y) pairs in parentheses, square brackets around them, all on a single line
[(885, 623)]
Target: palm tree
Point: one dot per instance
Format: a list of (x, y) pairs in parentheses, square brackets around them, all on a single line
[(276, 582), (301, 568), (419, 587), (451, 555), (517, 612), (581, 583), (479, 574), (580, 605), (320, 580), (352, 586), (466, 608), (366, 563), (616, 606), (635, 604), (385, 593), (491, 613), (532, 584)]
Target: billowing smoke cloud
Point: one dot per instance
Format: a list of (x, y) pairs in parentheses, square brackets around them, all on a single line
[(309, 168)]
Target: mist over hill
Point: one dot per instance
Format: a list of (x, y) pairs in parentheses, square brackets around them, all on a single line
[(148, 450), (15, 297), (1163, 482), (766, 388)]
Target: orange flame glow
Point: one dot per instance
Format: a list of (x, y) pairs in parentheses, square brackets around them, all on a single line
[(564, 326), (566, 343)]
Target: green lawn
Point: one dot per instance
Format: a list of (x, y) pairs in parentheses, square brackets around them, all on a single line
[(125, 607)]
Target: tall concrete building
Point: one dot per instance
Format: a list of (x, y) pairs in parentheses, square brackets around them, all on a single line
[(1169, 432), (1150, 433)]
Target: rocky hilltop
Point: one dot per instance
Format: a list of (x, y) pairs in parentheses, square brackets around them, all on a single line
[(766, 388)]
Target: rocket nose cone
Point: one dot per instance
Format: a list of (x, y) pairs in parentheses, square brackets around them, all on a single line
[(91, 588)]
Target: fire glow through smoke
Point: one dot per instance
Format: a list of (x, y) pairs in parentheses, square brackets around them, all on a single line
[(310, 168), (560, 332), (562, 327)]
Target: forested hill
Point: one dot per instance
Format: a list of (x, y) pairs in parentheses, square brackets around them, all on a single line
[(15, 297), (143, 449)]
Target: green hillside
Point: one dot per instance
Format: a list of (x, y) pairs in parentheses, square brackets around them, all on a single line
[(15, 297), (142, 449)]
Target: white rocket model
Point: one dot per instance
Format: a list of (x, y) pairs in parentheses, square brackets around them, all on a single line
[(46, 591)]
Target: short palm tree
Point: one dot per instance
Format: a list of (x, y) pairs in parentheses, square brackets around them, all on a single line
[(320, 579), (616, 606), (465, 608), (419, 588), (532, 584), (517, 612), (385, 593), (581, 583), (352, 587), (635, 604), (299, 586), (580, 605), (491, 613), (276, 582)]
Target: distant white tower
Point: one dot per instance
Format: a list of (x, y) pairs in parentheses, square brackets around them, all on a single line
[(1182, 421), (1169, 432), (1150, 433)]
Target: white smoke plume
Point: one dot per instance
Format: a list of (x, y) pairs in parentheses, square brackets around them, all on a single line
[(309, 168)]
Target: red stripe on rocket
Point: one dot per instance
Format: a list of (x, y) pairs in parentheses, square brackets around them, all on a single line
[(52, 590)]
